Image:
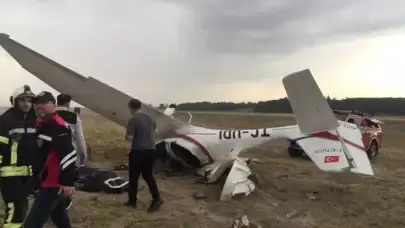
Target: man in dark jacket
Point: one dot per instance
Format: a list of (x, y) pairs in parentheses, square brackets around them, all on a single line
[(58, 171), (17, 151)]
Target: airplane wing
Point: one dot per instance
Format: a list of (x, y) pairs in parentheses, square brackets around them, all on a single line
[(213, 171), (87, 91)]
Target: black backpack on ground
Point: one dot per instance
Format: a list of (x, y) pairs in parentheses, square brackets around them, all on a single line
[(95, 180)]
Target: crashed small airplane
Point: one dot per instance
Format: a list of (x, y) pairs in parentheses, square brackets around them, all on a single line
[(211, 152)]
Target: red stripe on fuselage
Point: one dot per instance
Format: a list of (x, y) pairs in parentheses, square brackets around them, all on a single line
[(330, 136), (198, 144)]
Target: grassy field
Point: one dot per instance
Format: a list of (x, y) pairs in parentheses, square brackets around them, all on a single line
[(291, 193)]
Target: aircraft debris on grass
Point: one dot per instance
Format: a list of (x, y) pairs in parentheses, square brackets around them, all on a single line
[(212, 152)]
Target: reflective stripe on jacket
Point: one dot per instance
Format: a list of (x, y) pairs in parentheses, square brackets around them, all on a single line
[(18, 144)]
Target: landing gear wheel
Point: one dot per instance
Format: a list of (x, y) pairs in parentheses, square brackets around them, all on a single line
[(294, 153), (373, 151)]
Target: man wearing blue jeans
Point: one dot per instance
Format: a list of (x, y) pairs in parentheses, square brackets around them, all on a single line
[(57, 162)]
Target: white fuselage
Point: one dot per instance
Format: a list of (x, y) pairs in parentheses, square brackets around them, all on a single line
[(210, 145)]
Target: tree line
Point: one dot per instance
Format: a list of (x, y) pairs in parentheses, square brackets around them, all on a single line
[(374, 106)]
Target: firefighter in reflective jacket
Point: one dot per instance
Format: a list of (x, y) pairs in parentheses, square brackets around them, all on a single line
[(17, 150)]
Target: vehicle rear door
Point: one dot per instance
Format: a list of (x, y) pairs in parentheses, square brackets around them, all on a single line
[(374, 130)]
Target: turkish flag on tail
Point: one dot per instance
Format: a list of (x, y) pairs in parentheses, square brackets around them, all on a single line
[(331, 159)]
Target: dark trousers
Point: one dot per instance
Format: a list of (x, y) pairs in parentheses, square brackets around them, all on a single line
[(141, 162), (15, 197), (15, 212), (48, 203)]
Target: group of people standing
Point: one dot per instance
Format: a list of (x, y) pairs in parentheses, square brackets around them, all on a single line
[(39, 142), (39, 137)]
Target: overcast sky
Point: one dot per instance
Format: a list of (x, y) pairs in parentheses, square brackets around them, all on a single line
[(223, 50)]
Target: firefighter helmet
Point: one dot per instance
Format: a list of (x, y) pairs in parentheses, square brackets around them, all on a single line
[(21, 92)]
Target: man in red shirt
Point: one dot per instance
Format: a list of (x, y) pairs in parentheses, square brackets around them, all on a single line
[(57, 166)]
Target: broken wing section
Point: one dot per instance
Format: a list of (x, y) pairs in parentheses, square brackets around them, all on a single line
[(89, 92), (238, 181), (212, 172)]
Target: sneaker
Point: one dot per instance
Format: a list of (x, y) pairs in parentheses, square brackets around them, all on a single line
[(130, 204), (155, 205)]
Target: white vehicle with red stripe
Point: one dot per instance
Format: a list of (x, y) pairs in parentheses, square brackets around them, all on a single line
[(333, 146)]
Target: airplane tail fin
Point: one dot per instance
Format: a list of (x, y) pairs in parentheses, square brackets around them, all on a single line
[(331, 145)]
